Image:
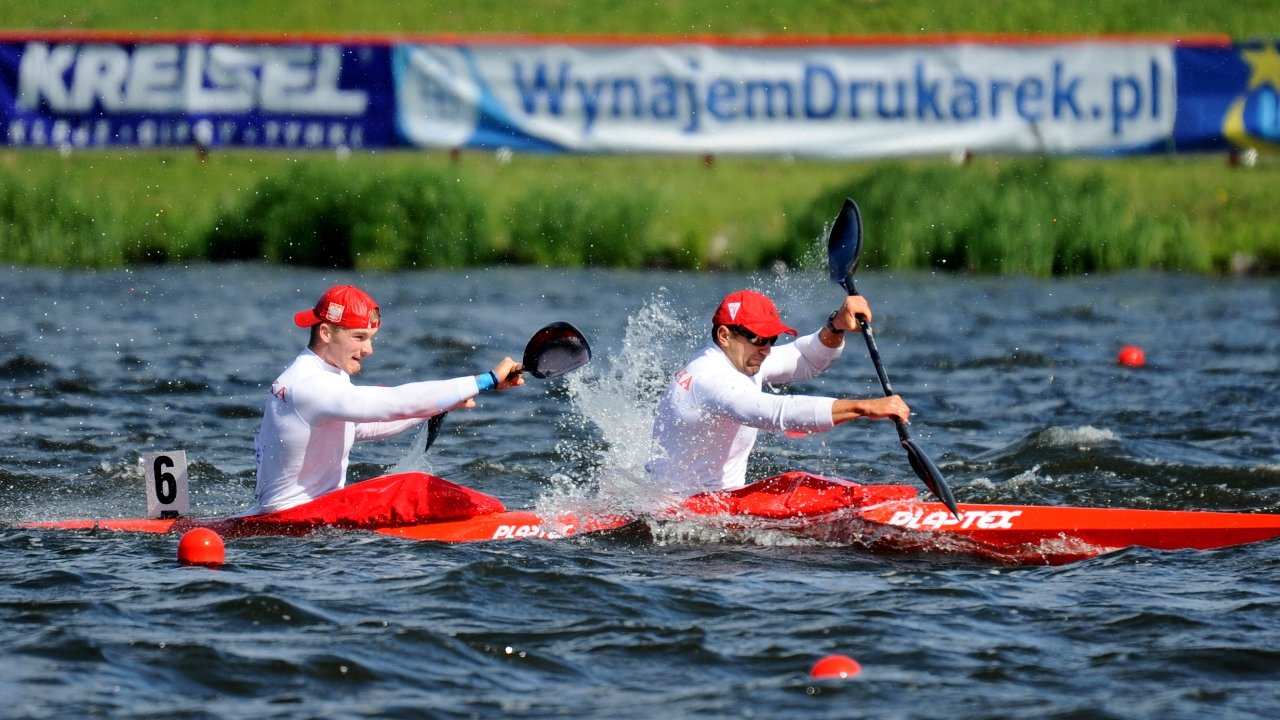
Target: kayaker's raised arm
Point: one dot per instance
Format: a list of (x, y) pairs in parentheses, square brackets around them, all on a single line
[(844, 319)]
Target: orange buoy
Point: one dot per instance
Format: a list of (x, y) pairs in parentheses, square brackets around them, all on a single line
[(1131, 356), (201, 546), (835, 667)]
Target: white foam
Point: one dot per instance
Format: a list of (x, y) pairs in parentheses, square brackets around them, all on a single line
[(1082, 437), (617, 394)]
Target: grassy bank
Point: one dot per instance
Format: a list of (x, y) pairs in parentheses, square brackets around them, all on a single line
[(422, 210), (105, 208), (1240, 18)]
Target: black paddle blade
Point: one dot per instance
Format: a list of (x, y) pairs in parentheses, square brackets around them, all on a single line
[(433, 430), (930, 474), (555, 350), (844, 242)]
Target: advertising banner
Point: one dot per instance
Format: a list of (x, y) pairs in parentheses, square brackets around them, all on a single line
[(95, 93), (835, 102)]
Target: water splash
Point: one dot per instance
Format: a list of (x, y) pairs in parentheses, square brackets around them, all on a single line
[(415, 458), (614, 399)]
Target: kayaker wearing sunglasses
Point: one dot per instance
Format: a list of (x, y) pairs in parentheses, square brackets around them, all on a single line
[(708, 418)]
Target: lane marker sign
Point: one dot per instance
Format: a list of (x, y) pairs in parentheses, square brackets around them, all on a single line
[(168, 494)]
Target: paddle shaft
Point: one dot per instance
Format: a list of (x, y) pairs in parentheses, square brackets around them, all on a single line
[(920, 462), (844, 245), (869, 335)]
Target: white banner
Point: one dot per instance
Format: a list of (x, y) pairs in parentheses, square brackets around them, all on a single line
[(834, 102)]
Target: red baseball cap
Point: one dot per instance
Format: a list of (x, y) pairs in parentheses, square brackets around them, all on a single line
[(344, 305), (753, 311)]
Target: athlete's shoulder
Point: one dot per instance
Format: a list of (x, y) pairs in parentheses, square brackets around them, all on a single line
[(710, 357), (307, 374), (713, 373), (704, 364)]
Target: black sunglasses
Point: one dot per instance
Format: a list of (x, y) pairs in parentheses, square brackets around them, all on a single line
[(754, 339)]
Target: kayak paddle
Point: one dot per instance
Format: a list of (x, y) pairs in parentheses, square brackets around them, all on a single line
[(844, 245), (552, 351), (555, 350)]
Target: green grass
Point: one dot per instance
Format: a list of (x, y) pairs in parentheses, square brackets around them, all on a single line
[(116, 207), (1240, 18)]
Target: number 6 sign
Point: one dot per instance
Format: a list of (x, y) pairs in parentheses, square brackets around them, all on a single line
[(166, 477)]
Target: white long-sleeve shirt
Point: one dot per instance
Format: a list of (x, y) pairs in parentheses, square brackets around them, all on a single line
[(315, 413), (710, 414)]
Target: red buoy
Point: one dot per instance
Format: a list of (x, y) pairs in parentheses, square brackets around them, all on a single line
[(835, 667), (1131, 356), (201, 546)]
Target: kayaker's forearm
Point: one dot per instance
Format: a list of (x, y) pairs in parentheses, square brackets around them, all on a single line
[(846, 409)]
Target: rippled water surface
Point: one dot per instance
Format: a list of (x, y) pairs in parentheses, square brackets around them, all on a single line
[(1016, 395)]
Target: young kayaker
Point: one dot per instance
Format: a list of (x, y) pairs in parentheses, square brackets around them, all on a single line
[(708, 418), (314, 413)]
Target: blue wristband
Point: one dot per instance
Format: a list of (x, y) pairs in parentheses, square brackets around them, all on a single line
[(487, 381)]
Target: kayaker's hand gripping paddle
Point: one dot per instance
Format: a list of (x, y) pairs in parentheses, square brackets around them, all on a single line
[(844, 245), (552, 351)]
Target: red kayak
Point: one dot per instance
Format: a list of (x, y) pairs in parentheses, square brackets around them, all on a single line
[(892, 518), (411, 505), (419, 506)]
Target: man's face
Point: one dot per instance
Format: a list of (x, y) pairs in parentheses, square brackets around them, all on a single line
[(345, 348), (745, 354)]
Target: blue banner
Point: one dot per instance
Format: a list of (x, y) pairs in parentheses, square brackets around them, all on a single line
[(1228, 96), (192, 93)]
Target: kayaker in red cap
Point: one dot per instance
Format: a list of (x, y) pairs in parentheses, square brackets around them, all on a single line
[(315, 413), (708, 418)]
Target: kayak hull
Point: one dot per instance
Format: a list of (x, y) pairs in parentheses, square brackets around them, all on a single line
[(1036, 535), (892, 518), (413, 505), (879, 517), (507, 525), (1104, 527)]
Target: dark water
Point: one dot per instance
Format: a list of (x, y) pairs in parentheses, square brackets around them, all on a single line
[(1016, 393)]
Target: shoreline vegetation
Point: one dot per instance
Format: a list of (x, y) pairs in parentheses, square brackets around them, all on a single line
[(408, 210), (429, 209)]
